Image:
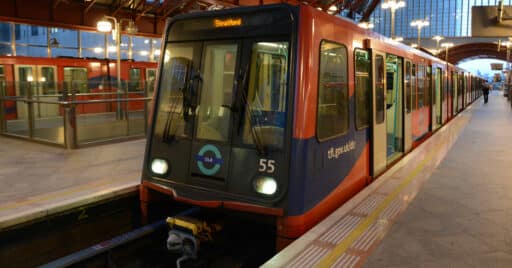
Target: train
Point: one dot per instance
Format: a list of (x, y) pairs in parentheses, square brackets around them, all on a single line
[(286, 112), (52, 79)]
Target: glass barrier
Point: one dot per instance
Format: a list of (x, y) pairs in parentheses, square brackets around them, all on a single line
[(73, 113)]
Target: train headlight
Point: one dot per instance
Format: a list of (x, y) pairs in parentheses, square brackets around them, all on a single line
[(265, 185), (159, 166)]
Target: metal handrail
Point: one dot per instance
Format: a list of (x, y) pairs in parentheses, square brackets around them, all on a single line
[(12, 98), (69, 104)]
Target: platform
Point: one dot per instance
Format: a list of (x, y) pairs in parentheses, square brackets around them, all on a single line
[(38, 180), (446, 204)]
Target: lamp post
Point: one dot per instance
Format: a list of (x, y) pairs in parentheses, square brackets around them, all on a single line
[(446, 46), (104, 25), (437, 38), (393, 6), (419, 24)]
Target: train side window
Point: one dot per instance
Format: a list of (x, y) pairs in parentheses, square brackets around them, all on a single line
[(134, 80), (407, 82), (2, 81), (332, 111), (428, 85), (150, 80), (421, 86), (265, 107), (413, 87), (363, 88), (75, 80), (379, 87)]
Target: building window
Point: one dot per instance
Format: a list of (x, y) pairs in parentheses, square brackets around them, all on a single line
[(141, 49), (332, 113)]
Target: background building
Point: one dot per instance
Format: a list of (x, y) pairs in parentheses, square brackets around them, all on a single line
[(448, 18), (18, 39)]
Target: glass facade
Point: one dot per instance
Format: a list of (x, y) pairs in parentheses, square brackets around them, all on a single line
[(18, 39), (449, 18)]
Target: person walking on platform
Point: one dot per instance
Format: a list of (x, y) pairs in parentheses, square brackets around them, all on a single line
[(485, 90)]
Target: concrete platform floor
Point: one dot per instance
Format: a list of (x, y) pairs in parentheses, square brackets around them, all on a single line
[(37, 180), (462, 216)]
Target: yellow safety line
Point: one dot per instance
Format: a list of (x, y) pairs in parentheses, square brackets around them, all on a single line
[(331, 258), (49, 196)]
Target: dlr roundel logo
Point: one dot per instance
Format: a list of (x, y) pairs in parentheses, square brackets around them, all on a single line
[(209, 160)]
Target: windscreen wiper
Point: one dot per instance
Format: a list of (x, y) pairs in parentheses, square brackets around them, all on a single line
[(251, 115), (186, 97)]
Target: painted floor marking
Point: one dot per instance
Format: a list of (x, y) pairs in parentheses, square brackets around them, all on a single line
[(364, 225)]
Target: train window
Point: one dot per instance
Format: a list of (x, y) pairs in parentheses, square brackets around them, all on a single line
[(421, 86), (150, 80), (2, 81), (363, 88), (134, 80), (379, 89), (215, 94), (75, 79), (428, 85), (176, 98), (265, 114), (332, 113), (47, 80), (413, 87), (408, 91)]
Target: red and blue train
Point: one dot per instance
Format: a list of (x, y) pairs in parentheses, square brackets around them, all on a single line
[(87, 78), (287, 112)]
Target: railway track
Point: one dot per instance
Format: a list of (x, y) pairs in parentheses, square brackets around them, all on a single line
[(110, 234)]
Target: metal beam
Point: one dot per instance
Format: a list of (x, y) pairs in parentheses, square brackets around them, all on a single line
[(473, 50), (369, 9), (89, 6), (187, 5), (122, 3), (173, 9), (218, 2)]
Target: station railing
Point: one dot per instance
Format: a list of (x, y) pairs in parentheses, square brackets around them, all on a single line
[(74, 114)]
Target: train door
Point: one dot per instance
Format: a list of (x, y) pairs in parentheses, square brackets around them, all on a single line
[(436, 99), (394, 108), (38, 82), (408, 107), (379, 138)]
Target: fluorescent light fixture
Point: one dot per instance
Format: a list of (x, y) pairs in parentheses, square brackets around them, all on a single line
[(104, 26)]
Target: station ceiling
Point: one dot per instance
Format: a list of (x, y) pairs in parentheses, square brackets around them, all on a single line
[(149, 15)]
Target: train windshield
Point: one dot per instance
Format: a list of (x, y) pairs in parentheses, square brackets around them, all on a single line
[(224, 91)]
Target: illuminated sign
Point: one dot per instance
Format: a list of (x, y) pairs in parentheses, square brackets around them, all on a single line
[(227, 22)]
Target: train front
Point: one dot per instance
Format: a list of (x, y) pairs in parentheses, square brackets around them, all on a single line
[(222, 117)]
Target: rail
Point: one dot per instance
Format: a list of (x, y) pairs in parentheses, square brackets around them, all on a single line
[(73, 119)]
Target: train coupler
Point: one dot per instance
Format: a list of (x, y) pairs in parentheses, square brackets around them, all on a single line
[(186, 235)]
